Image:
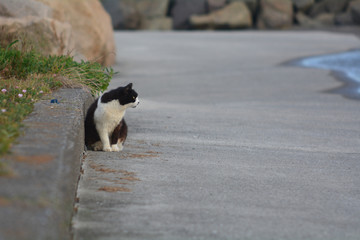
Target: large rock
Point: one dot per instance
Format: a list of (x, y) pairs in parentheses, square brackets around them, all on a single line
[(90, 25), (275, 14), (344, 18), (306, 22), (155, 24), (326, 19), (152, 8), (153, 14), (328, 6), (233, 16), (46, 35), (354, 9), (214, 5), (303, 5), (251, 4), (138, 14), (116, 10), (23, 8), (182, 10), (321, 21)]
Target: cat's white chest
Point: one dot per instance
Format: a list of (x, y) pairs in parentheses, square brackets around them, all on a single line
[(108, 115)]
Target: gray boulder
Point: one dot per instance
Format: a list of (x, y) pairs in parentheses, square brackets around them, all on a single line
[(158, 23), (135, 14), (234, 16), (275, 14), (328, 6), (343, 19), (326, 19), (306, 22), (321, 21), (303, 5), (115, 10), (152, 8), (182, 10), (214, 5), (251, 4), (354, 9)]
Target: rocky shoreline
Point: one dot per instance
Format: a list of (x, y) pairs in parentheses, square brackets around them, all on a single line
[(231, 14), (84, 29)]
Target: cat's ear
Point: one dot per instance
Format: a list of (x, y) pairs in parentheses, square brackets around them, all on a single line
[(128, 87)]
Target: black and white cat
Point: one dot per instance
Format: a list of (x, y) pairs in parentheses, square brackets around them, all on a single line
[(105, 127)]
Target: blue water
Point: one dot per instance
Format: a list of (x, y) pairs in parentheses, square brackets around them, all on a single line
[(347, 63)]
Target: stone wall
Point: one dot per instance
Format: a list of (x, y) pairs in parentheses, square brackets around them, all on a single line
[(80, 28), (231, 14)]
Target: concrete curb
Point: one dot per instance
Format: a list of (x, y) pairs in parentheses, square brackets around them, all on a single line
[(37, 202)]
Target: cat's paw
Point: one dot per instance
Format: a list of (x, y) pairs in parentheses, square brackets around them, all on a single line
[(120, 146), (115, 148), (107, 149)]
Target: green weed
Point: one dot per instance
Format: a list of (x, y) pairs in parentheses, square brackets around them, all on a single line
[(25, 76)]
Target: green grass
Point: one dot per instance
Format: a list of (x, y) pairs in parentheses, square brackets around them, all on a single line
[(25, 76)]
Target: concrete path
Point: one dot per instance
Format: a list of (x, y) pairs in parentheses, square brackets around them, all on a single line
[(227, 142)]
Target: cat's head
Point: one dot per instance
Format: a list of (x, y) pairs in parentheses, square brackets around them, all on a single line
[(128, 97)]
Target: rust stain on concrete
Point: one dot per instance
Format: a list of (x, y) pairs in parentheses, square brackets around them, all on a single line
[(4, 202), (34, 159), (114, 189), (139, 155)]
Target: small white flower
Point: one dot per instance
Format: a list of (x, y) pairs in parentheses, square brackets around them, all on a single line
[(3, 110), (41, 91), (20, 95), (4, 90), (24, 91)]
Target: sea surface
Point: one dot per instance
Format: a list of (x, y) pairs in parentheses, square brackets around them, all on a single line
[(346, 66)]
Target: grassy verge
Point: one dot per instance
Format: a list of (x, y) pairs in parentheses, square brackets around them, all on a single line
[(25, 76)]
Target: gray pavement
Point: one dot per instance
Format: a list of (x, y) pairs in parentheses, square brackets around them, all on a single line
[(227, 142)]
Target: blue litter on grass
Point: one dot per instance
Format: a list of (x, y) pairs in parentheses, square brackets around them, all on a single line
[(54, 101)]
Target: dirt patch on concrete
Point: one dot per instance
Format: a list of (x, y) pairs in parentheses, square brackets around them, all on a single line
[(4, 202), (101, 168), (34, 159), (130, 178), (114, 189), (148, 154)]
